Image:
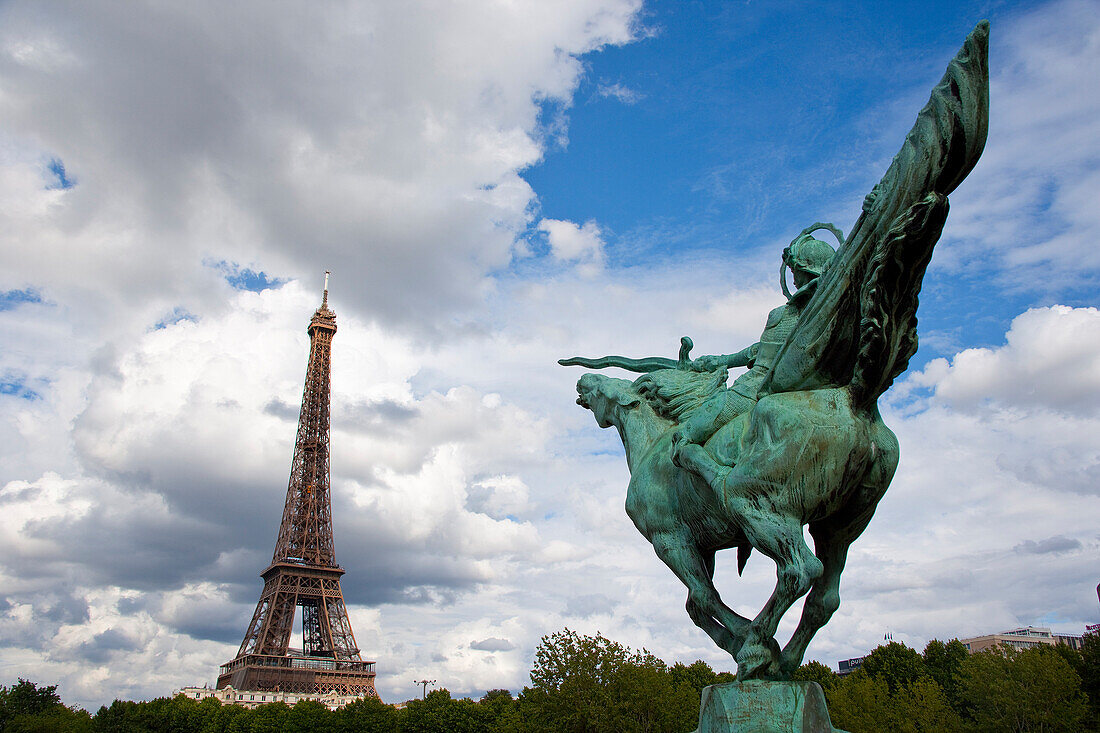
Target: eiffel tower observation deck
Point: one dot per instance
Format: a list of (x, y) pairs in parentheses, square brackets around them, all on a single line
[(303, 573)]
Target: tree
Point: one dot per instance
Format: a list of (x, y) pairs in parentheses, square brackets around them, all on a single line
[(1090, 674), (817, 672), (1032, 690), (27, 698), (369, 715), (499, 711), (698, 675), (645, 697), (895, 664), (27, 708), (922, 707), (942, 661), (569, 680), (61, 718), (438, 711), (307, 716), (271, 718), (859, 703), (586, 684)]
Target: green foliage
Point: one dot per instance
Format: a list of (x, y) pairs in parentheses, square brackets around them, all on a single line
[(941, 661), (1090, 675), (25, 708), (60, 718), (586, 684), (367, 716), (307, 716), (698, 675), (895, 664), (27, 698), (860, 703), (272, 718), (817, 672), (500, 712), (1033, 690), (439, 712), (922, 707)]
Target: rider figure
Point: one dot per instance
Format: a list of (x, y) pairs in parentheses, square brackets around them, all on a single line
[(807, 257)]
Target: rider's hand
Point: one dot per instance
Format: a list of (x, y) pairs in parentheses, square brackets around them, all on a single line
[(705, 363)]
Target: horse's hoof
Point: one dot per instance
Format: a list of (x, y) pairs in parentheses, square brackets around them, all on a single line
[(759, 659), (788, 663)]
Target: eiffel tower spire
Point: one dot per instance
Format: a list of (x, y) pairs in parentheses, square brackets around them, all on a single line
[(303, 572), (305, 534)]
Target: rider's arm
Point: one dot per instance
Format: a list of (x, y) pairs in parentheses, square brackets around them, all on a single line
[(744, 357)]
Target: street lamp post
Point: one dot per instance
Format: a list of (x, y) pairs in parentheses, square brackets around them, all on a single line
[(424, 684)]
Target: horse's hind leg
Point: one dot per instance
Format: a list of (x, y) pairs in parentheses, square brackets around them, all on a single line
[(704, 605), (780, 538), (831, 543)]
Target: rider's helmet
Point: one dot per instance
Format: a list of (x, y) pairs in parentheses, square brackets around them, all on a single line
[(808, 254)]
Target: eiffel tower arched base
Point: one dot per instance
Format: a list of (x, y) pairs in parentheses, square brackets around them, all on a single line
[(329, 660)]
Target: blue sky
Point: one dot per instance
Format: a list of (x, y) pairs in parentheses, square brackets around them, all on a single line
[(495, 186), (737, 124)]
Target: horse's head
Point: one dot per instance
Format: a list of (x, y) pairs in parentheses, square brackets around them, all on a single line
[(605, 397)]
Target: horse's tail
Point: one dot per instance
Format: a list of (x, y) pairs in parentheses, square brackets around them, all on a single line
[(673, 393), (888, 298)]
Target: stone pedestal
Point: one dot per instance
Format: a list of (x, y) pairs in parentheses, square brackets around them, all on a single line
[(758, 706)]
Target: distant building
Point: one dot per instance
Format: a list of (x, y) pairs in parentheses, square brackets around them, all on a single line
[(251, 698), (847, 666), (1023, 638)]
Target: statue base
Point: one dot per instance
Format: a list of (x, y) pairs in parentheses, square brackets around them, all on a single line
[(760, 706)]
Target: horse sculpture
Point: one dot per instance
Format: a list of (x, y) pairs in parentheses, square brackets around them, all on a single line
[(813, 449)]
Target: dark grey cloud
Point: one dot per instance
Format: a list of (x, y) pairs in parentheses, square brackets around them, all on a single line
[(395, 573), (223, 622), (373, 417), (137, 550), (493, 644), (49, 611), (1066, 468), (100, 647), (282, 410), (128, 606), (67, 609), (139, 546), (1055, 545)]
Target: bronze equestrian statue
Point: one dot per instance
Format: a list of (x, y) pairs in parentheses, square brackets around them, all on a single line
[(797, 439)]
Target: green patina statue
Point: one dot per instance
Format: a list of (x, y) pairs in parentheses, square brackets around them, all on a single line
[(797, 439)]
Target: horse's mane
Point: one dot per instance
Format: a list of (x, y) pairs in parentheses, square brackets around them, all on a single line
[(673, 393)]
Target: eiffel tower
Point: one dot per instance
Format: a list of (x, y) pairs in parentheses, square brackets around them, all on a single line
[(303, 572)]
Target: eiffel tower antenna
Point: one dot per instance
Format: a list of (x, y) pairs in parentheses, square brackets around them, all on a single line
[(303, 573)]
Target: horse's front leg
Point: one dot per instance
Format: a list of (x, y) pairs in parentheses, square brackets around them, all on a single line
[(705, 607)]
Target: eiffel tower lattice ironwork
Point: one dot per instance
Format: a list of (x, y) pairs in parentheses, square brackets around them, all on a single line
[(303, 572)]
